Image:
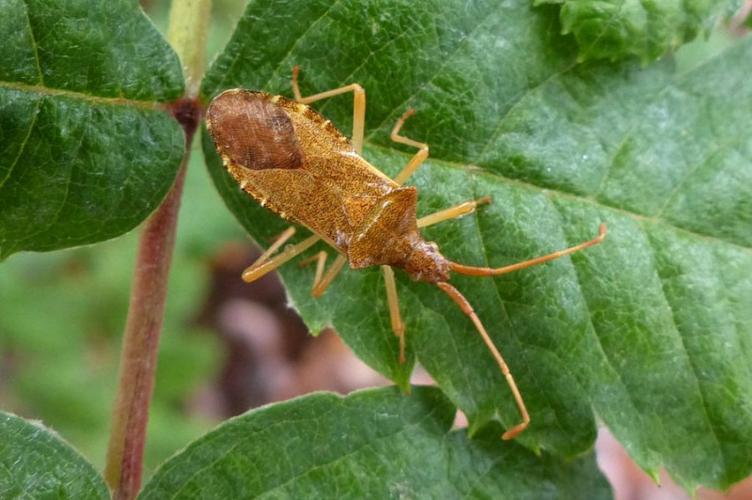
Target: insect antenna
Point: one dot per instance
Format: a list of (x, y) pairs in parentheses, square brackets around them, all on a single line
[(489, 271), (466, 308)]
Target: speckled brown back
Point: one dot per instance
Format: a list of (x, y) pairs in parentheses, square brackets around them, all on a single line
[(330, 188), (297, 164)]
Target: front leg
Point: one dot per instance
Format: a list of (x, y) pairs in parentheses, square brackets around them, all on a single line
[(268, 262), (359, 105)]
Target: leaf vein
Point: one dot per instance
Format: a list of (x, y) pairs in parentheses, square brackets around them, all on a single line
[(677, 190), (440, 68), (297, 42), (348, 78), (606, 25), (171, 465), (23, 145), (516, 102), (480, 477), (56, 217), (367, 445), (34, 45), (591, 324), (451, 338), (690, 360)]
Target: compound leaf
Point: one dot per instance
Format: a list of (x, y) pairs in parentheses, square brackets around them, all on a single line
[(36, 463), (650, 330), (372, 444), (88, 150)]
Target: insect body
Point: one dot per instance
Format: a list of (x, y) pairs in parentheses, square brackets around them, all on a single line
[(300, 166), (297, 164)]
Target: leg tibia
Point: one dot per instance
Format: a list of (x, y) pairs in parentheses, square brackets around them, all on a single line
[(398, 326), (467, 309), (326, 280)]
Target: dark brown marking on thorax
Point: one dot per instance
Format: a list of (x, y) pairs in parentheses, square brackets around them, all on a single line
[(253, 132)]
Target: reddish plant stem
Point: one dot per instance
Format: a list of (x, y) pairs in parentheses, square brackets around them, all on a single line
[(141, 337)]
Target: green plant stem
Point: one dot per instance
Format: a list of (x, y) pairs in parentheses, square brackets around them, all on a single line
[(187, 33), (189, 25)]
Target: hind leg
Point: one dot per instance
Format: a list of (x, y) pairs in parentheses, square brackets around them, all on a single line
[(467, 309), (398, 326)]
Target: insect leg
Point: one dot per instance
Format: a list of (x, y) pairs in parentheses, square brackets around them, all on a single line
[(398, 326), (466, 308), (454, 212), (488, 271), (320, 259), (320, 286), (322, 281), (359, 105), (266, 264), (418, 158), (278, 242)]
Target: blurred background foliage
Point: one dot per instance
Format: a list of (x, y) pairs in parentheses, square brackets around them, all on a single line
[(62, 314)]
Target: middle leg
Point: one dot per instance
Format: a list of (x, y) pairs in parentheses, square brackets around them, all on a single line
[(468, 207), (322, 280), (417, 158)]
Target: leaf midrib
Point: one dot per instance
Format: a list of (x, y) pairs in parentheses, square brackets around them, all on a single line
[(476, 170), (46, 91)]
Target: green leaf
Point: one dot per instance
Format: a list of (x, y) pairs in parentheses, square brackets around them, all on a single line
[(36, 463), (615, 29), (88, 150), (372, 444), (650, 330)]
